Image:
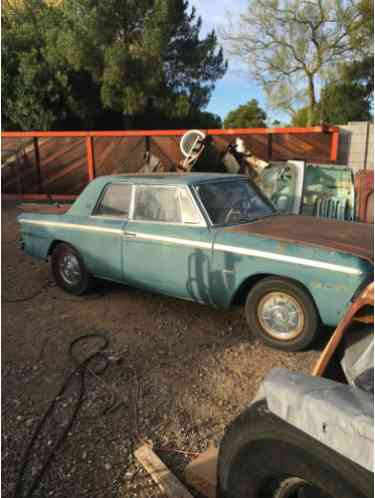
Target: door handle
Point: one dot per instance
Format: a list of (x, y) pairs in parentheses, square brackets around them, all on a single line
[(130, 234)]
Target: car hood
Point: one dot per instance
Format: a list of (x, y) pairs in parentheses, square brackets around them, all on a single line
[(348, 237)]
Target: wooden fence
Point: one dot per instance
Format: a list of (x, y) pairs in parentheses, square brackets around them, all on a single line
[(37, 165)]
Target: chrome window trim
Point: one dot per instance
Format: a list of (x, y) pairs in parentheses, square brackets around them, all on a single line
[(202, 207), (104, 217), (102, 194), (201, 224)]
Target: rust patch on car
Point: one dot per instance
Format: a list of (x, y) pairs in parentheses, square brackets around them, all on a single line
[(322, 285), (343, 236)]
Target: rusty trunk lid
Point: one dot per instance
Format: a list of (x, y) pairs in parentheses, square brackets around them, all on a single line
[(352, 238)]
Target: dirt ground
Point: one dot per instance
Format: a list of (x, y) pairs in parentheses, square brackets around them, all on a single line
[(178, 373)]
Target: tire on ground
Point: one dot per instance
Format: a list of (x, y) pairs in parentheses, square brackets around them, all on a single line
[(311, 320), (261, 454), (84, 279)]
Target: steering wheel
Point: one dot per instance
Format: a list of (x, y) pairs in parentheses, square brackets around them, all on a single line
[(234, 208)]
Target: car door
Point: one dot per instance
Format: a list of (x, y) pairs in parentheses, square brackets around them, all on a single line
[(282, 183), (102, 239), (168, 245)]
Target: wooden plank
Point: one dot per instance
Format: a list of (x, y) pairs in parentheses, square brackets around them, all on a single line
[(201, 473), (160, 473)]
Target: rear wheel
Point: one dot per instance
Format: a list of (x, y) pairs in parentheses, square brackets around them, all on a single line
[(262, 456), (282, 314), (69, 270)]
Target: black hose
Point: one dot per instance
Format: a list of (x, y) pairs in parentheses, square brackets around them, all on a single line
[(26, 298), (80, 370)]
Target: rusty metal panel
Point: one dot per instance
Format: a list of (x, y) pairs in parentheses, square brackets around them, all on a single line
[(356, 239), (364, 185)]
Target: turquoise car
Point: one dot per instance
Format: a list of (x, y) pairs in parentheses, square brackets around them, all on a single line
[(211, 238)]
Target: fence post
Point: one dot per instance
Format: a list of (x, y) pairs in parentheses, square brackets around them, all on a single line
[(335, 145), (37, 164), (269, 146), (90, 158)]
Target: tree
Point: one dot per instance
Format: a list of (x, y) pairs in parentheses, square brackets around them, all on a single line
[(249, 115), (72, 63), (339, 104), (343, 102), (361, 70), (289, 44)]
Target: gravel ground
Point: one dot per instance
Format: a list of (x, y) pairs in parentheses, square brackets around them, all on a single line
[(178, 373)]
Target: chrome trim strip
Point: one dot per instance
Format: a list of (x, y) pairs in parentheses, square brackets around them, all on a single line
[(208, 246), (73, 226), (288, 259), (173, 240)]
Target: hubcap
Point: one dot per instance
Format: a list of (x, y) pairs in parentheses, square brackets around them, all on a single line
[(293, 487), (281, 316), (70, 269)]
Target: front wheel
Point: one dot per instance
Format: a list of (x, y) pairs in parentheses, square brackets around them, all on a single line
[(69, 270), (282, 314)]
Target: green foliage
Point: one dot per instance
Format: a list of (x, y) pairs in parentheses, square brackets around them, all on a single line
[(339, 103), (302, 117), (249, 115), (348, 96), (87, 63), (343, 102), (290, 45)]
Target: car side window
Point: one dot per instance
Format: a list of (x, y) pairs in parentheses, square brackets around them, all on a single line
[(115, 201), (160, 204), (190, 215)]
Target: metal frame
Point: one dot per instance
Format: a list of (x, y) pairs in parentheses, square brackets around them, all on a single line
[(366, 297), (90, 153)]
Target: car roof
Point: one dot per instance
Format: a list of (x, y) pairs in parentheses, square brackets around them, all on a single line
[(170, 178)]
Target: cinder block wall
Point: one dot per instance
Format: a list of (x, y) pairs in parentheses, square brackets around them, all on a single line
[(356, 147)]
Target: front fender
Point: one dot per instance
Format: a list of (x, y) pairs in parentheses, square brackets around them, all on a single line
[(330, 277)]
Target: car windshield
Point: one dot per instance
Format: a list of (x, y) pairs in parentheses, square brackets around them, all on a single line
[(232, 202)]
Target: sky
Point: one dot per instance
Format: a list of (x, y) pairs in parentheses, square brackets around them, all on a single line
[(236, 88)]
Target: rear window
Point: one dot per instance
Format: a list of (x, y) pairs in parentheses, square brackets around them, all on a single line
[(115, 201)]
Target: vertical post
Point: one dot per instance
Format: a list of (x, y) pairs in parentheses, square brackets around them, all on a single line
[(366, 145), (335, 145), (147, 150), (269, 146), (90, 158), (37, 164)]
